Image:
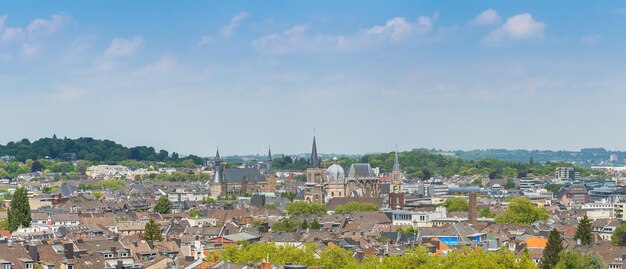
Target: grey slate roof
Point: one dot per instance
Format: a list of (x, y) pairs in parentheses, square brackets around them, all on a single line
[(239, 174), (360, 170), (68, 189)]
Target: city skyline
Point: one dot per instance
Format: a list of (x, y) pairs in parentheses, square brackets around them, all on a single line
[(187, 77)]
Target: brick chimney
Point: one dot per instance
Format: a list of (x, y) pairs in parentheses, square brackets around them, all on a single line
[(472, 214)]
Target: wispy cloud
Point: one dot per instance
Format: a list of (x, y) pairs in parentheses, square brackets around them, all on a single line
[(619, 11), (30, 50), (518, 27), (3, 20), (162, 66), (235, 21), (46, 27), (68, 93), (11, 34), (300, 38), (590, 39), (487, 17), (225, 31), (124, 47)]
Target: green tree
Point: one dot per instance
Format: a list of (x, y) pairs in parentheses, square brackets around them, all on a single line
[(407, 230), (572, 259), (454, 204), (288, 195), (152, 231), (315, 225), (19, 211), (195, 214), (208, 200), (509, 184), (487, 213), (584, 231), (163, 205), (81, 167), (522, 211), (554, 188), (303, 208), (355, 207), (552, 250), (337, 258), (619, 235), (286, 225), (304, 225)]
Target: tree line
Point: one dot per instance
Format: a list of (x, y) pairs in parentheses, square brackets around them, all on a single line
[(86, 148)]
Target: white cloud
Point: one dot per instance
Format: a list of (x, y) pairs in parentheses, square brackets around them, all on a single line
[(46, 27), (300, 38), (162, 66), (205, 40), (518, 27), (619, 11), (487, 17), (124, 47), (398, 28), (11, 34), (30, 50), (3, 20), (236, 20), (590, 39), (67, 93)]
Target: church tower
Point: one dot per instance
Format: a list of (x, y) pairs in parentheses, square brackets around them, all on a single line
[(396, 197), (270, 176), (396, 175), (314, 191), (215, 186)]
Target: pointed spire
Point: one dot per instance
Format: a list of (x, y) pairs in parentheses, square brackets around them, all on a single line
[(217, 154), (217, 165), (396, 175), (314, 162), (396, 163), (269, 159)]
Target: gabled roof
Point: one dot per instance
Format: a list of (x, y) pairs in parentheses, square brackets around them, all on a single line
[(251, 175), (243, 236), (360, 170)]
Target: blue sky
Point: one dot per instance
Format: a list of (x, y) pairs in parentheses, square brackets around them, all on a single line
[(366, 75)]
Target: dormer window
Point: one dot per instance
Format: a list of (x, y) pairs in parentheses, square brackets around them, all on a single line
[(29, 265), (6, 266)]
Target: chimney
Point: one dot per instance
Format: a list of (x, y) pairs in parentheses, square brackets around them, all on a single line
[(69, 250), (113, 250), (266, 265), (177, 241), (120, 264), (32, 252), (150, 244), (472, 214)]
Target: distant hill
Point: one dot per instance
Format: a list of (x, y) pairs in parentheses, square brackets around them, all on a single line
[(85, 148)]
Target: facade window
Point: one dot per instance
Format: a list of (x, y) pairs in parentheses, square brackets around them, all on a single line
[(332, 194)]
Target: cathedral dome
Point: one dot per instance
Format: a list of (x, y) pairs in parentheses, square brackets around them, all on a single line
[(335, 172)]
